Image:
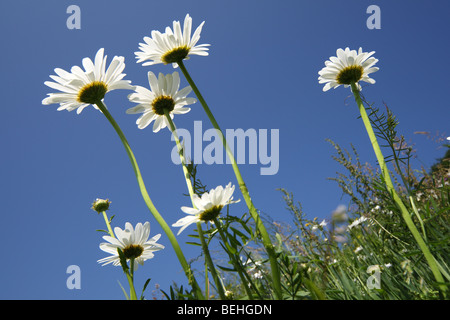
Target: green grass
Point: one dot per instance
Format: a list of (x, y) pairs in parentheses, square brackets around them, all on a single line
[(365, 252)]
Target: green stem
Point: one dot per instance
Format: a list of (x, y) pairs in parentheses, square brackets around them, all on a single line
[(130, 278), (390, 187), (173, 129), (259, 224), (150, 205), (205, 248), (108, 225), (241, 272)]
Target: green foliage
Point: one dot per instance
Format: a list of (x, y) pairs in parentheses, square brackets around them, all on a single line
[(178, 293), (365, 252), (340, 258)]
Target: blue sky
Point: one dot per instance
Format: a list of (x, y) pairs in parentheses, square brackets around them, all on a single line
[(261, 73)]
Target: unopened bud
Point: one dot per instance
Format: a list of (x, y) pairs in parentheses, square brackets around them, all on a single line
[(100, 205)]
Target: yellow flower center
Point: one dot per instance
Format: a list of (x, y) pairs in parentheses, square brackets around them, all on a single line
[(161, 103), (210, 214), (175, 55), (350, 74), (132, 251), (93, 92)]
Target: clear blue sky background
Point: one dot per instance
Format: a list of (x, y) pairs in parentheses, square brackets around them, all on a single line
[(261, 73)]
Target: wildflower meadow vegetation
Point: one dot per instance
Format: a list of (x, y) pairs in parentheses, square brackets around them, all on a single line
[(391, 241)]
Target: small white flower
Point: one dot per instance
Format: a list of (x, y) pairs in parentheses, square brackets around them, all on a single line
[(229, 294), (321, 225), (419, 195), (357, 222), (133, 242), (358, 249), (173, 45), (376, 208), (348, 66), (254, 268), (253, 265), (207, 208), (164, 95), (79, 88)]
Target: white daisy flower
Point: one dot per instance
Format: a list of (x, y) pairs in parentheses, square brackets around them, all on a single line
[(357, 222), (320, 225), (164, 94), (79, 88), (254, 268), (349, 66), (207, 208), (173, 45), (133, 242)]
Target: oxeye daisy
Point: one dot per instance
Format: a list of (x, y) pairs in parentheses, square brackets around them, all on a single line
[(133, 242), (207, 207), (173, 45), (79, 88), (164, 96), (348, 66), (348, 69)]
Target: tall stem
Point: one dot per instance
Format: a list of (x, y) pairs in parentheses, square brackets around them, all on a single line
[(205, 248), (150, 204), (276, 278), (390, 187)]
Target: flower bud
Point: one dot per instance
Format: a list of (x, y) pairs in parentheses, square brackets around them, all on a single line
[(100, 205)]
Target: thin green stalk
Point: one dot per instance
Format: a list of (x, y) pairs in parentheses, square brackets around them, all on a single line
[(387, 178), (205, 248), (210, 263), (130, 277), (108, 225), (173, 129), (150, 205), (242, 273), (276, 277)]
